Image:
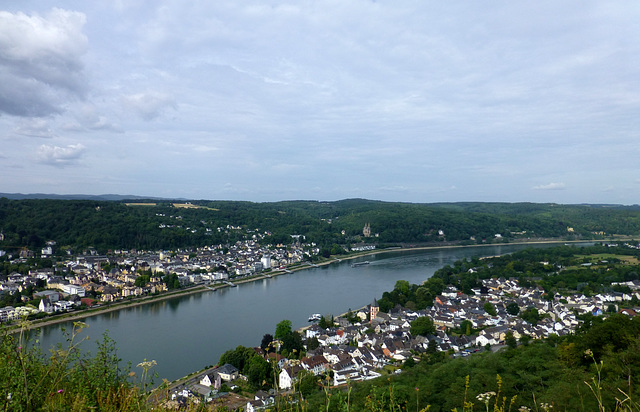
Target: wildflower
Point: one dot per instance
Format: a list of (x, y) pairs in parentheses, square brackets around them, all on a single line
[(588, 352), (524, 409), (147, 364), (546, 407), (60, 390), (485, 397)]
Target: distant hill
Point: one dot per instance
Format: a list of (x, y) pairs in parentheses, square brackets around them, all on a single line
[(106, 197), (117, 221)]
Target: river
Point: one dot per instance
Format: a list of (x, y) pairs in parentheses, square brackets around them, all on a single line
[(188, 333)]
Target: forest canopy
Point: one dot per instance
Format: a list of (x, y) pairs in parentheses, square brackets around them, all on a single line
[(162, 224)]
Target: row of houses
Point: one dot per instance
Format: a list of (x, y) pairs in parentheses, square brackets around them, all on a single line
[(85, 273)]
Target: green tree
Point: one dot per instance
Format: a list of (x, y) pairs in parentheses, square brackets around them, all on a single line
[(531, 315), (292, 344), (490, 309), (266, 343), (466, 327), (307, 383), (513, 309), (258, 372), (313, 343), (409, 363), (510, 340), (283, 328), (325, 323), (422, 326)]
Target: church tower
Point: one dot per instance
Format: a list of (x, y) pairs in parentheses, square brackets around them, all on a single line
[(373, 310), (367, 230)]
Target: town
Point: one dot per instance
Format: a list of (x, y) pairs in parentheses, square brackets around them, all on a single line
[(360, 345), (356, 346), (91, 279)]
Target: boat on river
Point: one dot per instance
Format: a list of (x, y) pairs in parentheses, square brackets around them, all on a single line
[(353, 265), (315, 317)]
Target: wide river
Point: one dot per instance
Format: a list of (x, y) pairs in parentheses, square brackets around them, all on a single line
[(187, 333)]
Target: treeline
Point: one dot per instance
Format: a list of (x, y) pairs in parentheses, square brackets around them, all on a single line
[(560, 270), (563, 269), (332, 225)]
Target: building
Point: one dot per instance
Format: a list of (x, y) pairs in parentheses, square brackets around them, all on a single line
[(374, 310)]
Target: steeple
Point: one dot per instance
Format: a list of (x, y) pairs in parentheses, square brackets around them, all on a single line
[(374, 308)]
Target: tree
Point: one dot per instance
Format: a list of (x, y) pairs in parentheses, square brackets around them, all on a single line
[(308, 383), (513, 309), (266, 344), (313, 343), (466, 327), (409, 363), (292, 344), (531, 315), (490, 309), (325, 323), (258, 371), (283, 329), (422, 326), (510, 340)]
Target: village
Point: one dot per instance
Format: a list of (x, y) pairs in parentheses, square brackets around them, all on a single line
[(361, 350), (361, 346), (91, 279)]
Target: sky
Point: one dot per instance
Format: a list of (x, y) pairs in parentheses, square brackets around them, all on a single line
[(410, 101)]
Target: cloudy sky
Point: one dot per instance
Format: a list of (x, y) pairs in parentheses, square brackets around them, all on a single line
[(416, 101)]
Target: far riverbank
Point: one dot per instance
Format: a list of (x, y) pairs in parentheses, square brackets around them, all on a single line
[(78, 316)]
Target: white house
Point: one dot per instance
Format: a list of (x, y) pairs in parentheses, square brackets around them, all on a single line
[(288, 376), (211, 380)]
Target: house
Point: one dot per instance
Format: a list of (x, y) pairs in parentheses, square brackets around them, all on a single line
[(45, 305), (629, 312), (261, 400), (228, 372), (315, 364), (211, 380), (288, 376), (52, 295)]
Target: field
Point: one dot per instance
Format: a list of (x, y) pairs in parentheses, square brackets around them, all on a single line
[(191, 206)]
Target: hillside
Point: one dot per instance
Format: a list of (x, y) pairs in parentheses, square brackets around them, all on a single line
[(153, 223)]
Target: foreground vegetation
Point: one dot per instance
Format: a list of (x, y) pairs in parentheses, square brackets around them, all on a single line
[(595, 370)]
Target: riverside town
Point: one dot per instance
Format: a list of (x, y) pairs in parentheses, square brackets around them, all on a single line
[(521, 307), (356, 346)]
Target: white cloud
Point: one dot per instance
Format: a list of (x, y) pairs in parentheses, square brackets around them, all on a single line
[(60, 156), (40, 61), (89, 117), (35, 128), (550, 186), (150, 104)]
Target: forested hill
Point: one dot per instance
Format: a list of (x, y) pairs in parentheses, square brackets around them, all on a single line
[(156, 223)]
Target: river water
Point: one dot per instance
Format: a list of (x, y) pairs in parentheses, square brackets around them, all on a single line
[(188, 333)]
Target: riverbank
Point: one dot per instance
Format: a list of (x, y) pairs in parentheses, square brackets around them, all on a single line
[(79, 316)]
